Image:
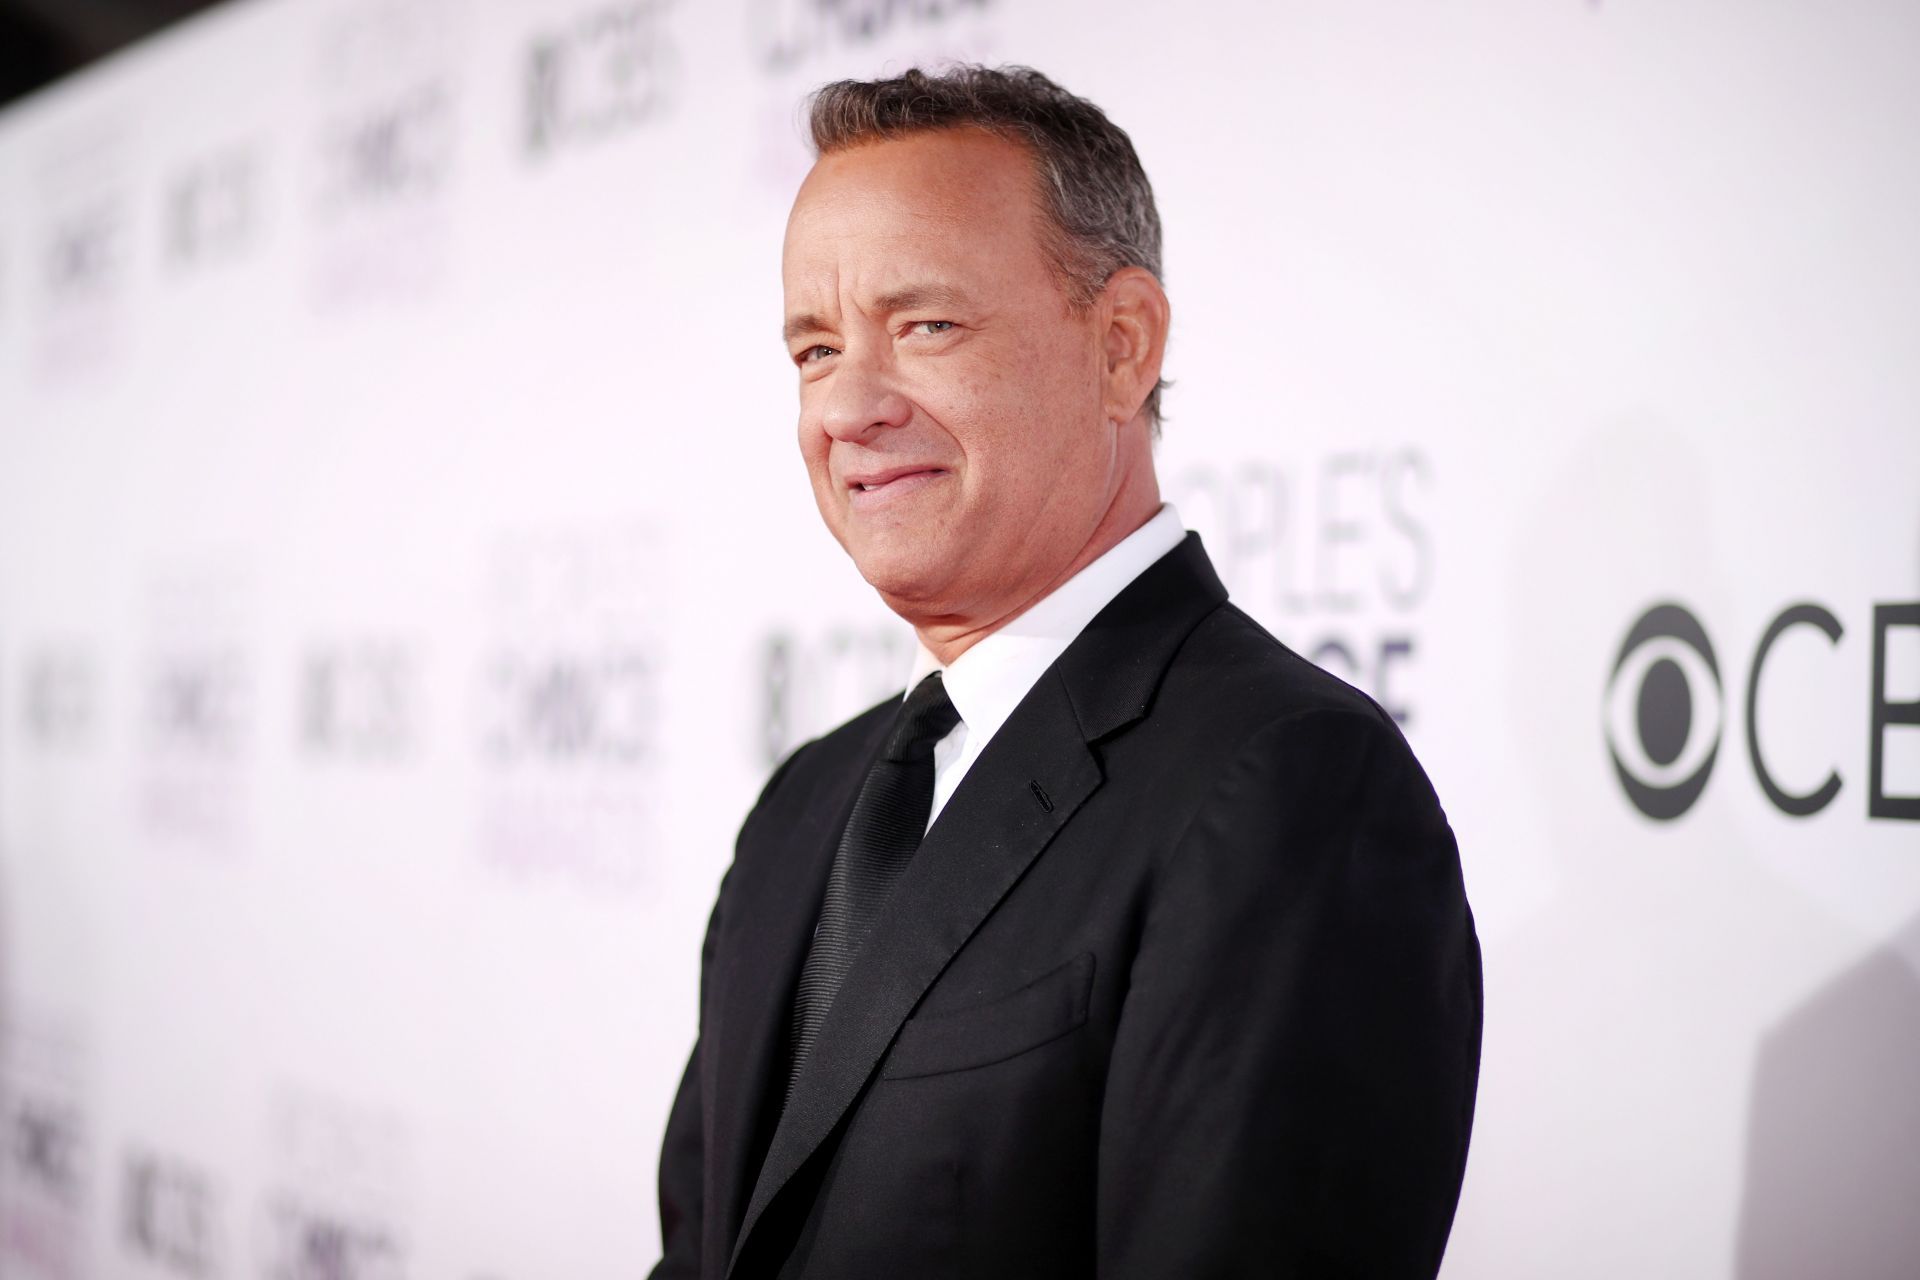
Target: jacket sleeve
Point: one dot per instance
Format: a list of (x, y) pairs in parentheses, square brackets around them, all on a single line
[(683, 1164), (1293, 1076), (683, 1150)]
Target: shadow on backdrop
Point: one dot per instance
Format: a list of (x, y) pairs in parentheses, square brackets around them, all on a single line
[(1833, 1136)]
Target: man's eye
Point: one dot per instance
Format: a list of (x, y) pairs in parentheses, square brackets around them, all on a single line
[(933, 326), (816, 353)]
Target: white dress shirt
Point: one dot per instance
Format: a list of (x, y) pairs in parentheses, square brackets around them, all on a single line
[(988, 681)]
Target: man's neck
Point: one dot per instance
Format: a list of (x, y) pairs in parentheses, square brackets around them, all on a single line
[(946, 639)]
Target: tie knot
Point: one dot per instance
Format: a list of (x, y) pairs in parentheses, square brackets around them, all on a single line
[(927, 716)]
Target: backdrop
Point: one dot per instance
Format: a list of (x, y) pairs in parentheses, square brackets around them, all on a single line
[(408, 576)]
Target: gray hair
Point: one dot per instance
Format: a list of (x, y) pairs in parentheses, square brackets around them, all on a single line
[(1095, 194)]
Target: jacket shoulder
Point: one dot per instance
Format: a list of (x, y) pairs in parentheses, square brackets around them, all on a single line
[(1235, 697), (847, 745), (1234, 670)]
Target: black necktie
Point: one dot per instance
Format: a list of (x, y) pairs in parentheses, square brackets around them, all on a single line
[(885, 828)]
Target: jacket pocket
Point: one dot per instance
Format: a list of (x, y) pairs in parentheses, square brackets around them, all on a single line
[(1045, 1009)]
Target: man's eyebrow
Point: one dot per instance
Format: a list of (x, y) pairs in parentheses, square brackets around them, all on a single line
[(911, 297), (915, 296), (808, 323)]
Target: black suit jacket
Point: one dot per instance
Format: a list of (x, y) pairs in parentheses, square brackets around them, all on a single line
[(1182, 983)]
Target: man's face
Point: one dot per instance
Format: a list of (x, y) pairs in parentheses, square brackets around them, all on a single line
[(950, 400)]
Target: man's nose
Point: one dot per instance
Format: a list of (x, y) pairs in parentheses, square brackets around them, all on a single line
[(861, 400)]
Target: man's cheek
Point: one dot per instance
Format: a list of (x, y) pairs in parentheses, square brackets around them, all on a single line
[(813, 442)]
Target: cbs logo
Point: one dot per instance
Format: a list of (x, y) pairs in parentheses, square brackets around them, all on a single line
[(1665, 711)]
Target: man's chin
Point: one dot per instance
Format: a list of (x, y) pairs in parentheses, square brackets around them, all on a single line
[(908, 583)]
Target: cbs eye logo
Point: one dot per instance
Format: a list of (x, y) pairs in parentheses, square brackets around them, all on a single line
[(1663, 712)]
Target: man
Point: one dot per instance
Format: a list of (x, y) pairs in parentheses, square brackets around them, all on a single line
[(1181, 980)]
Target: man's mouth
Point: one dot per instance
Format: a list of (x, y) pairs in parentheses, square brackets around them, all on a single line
[(879, 480)]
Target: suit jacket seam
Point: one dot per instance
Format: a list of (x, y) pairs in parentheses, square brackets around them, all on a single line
[(1274, 642)]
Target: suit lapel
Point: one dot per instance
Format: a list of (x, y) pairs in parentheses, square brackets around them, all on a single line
[(991, 830), (1028, 783), (756, 996)]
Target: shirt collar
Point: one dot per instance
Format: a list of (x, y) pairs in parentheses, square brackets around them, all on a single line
[(988, 681)]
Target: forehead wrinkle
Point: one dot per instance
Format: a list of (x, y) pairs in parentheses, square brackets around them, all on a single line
[(813, 316), (859, 246)]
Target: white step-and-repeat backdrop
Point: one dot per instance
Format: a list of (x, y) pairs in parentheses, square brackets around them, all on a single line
[(407, 576)]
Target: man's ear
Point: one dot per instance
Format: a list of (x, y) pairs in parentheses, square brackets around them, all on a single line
[(1137, 314)]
